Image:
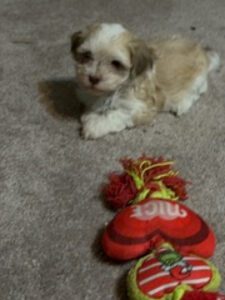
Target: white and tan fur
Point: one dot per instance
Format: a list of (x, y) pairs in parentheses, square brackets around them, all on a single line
[(126, 81)]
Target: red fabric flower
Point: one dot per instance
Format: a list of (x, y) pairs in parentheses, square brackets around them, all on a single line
[(120, 190), (200, 295), (149, 169), (178, 185)]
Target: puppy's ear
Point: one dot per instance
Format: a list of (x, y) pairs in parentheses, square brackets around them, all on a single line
[(76, 40), (142, 57)]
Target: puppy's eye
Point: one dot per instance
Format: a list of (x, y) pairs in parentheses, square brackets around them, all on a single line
[(84, 57), (117, 65)]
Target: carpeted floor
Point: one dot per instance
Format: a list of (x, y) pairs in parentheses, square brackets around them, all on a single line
[(51, 212)]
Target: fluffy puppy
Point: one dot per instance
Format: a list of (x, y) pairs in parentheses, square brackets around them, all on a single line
[(125, 81)]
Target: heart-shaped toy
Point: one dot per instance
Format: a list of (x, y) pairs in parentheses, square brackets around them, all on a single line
[(138, 228), (165, 274)]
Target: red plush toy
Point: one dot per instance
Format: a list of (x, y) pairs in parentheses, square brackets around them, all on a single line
[(150, 188), (151, 219)]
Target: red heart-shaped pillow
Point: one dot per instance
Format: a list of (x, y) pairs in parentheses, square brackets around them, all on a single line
[(136, 229)]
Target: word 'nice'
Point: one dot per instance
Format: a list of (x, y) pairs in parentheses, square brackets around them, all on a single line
[(157, 208)]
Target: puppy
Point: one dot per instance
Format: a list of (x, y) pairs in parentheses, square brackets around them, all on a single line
[(125, 81)]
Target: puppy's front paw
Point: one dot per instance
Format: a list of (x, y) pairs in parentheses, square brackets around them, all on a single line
[(92, 127), (88, 133)]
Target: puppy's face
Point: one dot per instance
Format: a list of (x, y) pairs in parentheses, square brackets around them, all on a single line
[(107, 56)]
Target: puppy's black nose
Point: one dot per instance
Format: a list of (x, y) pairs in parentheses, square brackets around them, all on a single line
[(94, 79)]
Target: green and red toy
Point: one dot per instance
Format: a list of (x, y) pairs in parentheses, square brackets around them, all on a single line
[(166, 274)]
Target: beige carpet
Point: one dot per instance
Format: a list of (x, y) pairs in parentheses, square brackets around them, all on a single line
[(51, 211)]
